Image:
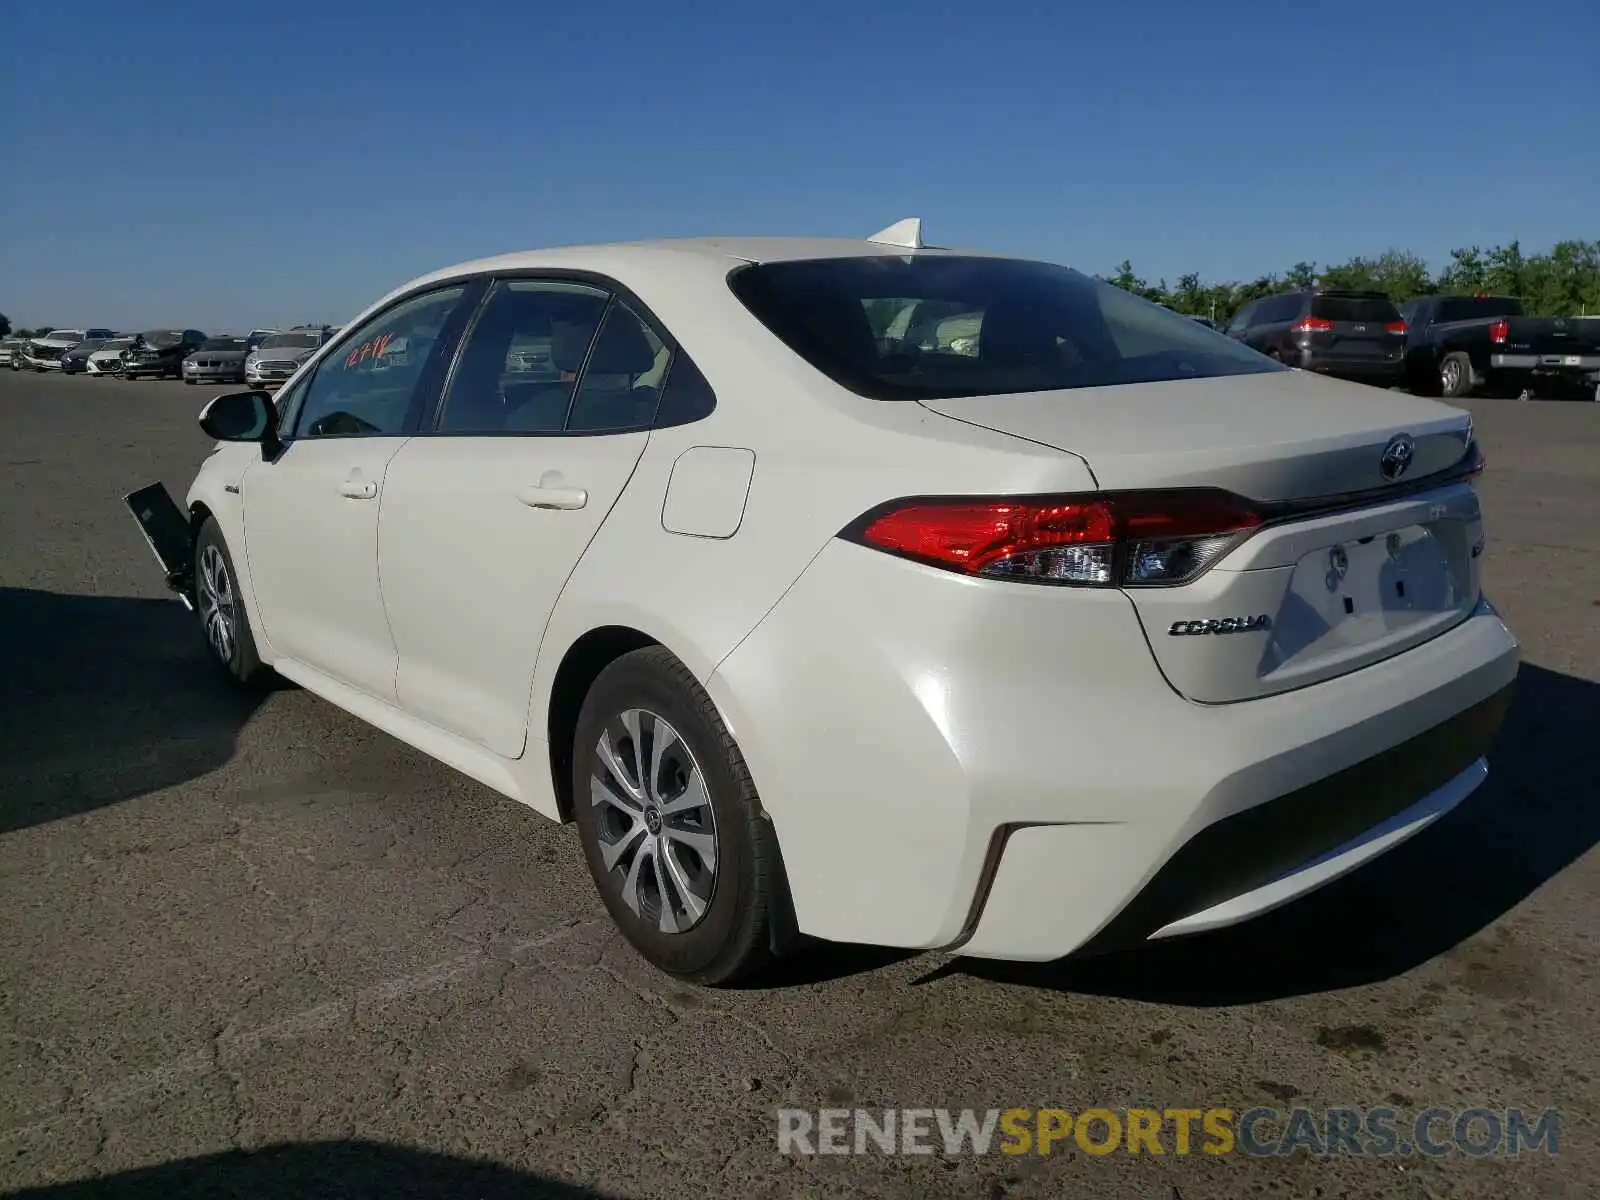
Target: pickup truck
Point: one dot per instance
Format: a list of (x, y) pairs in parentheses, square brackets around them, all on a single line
[(1458, 344)]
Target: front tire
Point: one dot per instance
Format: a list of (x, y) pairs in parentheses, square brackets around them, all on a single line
[(223, 621), (1455, 375), (685, 860)]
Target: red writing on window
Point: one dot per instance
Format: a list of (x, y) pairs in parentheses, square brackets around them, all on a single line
[(373, 349)]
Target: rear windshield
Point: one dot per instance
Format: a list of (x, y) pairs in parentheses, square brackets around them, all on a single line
[(162, 337), (940, 326), (1372, 310)]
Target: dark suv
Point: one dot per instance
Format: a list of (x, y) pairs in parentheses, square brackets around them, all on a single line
[(1354, 335)]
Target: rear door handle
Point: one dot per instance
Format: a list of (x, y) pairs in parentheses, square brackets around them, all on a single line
[(358, 489), (553, 497)]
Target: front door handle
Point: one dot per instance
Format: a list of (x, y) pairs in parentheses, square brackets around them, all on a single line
[(358, 489), (553, 497)]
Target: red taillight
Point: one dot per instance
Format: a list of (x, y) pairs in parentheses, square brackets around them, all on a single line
[(1395, 327), (1312, 325), (1499, 331), (1116, 539)]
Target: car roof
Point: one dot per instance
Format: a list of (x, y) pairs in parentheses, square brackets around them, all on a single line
[(664, 259)]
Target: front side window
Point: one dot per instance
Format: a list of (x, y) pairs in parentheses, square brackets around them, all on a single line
[(368, 384), (1241, 319), (522, 356), (940, 326)]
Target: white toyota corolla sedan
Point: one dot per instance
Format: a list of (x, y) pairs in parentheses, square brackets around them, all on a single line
[(865, 590)]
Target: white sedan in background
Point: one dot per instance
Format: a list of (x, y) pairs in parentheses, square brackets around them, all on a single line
[(108, 359), (1098, 628)]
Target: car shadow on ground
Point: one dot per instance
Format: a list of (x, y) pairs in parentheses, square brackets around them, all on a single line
[(1538, 812), (348, 1170), (103, 699)]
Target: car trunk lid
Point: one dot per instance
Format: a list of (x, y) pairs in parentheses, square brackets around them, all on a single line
[(1350, 566)]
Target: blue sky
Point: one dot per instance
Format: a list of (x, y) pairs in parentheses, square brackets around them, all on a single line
[(293, 161)]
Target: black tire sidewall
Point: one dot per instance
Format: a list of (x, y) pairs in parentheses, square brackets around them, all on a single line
[(640, 681), (245, 664), (1465, 384)]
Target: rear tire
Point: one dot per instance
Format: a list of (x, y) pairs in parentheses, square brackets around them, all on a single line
[(685, 860), (1455, 375), (224, 624)]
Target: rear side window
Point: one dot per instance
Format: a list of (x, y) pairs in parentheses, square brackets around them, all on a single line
[(520, 364), (939, 326), (1276, 309), (1374, 310)]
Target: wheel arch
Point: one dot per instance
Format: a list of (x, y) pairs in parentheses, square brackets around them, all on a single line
[(580, 666)]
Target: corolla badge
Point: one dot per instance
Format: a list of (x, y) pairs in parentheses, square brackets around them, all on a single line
[(1215, 625), (1397, 456)]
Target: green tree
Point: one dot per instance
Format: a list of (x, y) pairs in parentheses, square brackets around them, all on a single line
[(1467, 273), (5, 326), (1508, 270), (1300, 276)]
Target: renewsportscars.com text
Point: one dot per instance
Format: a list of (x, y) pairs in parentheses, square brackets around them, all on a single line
[(1258, 1132)]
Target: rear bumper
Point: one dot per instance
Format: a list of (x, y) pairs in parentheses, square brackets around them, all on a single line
[(1258, 859), (1003, 770), (1367, 370), (1564, 366)]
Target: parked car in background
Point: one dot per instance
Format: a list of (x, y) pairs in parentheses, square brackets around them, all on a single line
[(9, 349), (107, 360), (1351, 335), (1113, 630), (280, 355), (76, 360), (217, 360), (1458, 344), (160, 353), (44, 353)]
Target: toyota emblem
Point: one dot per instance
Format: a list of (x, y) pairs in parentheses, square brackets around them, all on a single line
[(1397, 456)]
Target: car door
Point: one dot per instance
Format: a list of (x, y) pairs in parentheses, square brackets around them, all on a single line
[(543, 420), (311, 514)]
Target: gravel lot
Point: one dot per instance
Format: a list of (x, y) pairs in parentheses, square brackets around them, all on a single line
[(262, 944)]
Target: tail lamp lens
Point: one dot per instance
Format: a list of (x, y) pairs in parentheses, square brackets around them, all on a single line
[(1312, 325), (1499, 331), (1113, 540), (1395, 327)]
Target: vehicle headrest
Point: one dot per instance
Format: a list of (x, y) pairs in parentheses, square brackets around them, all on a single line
[(622, 349)]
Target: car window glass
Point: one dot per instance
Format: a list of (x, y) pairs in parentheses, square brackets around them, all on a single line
[(521, 358), (688, 395), (621, 382), (1241, 319), (995, 327), (1276, 308), (366, 386), (1373, 310)]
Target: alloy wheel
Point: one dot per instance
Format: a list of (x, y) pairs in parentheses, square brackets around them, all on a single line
[(657, 831), (1450, 375), (218, 613)]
